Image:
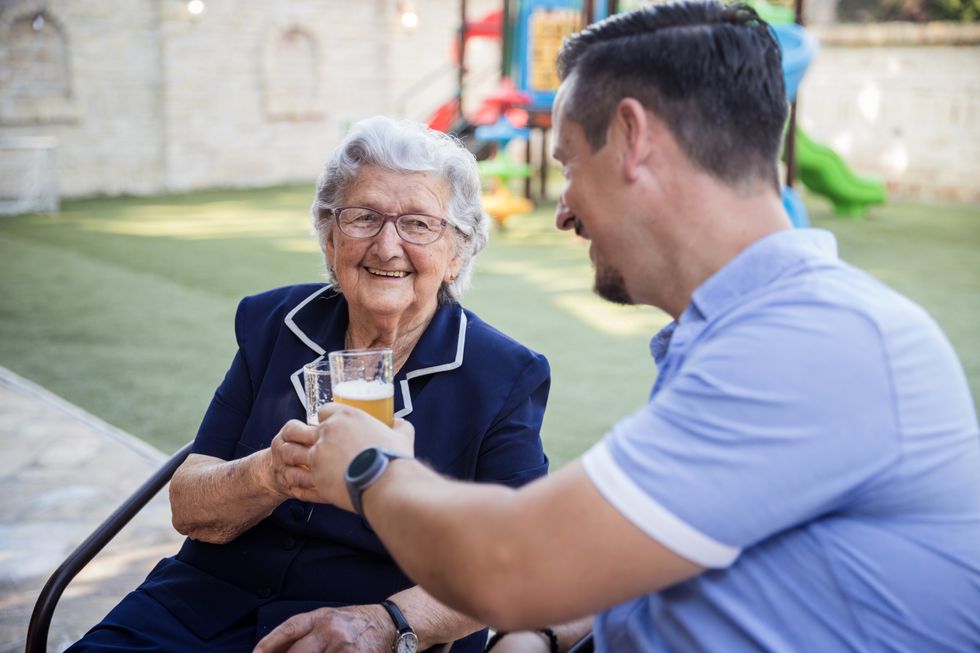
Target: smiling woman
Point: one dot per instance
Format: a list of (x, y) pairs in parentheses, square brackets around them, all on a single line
[(398, 217)]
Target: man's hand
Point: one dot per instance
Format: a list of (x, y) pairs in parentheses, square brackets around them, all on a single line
[(355, 628), (285, 469), (343, 433)]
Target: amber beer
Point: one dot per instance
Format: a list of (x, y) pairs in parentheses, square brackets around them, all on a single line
[(376, 398)]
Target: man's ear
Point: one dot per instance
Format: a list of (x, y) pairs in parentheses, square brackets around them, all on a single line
[(633, 122)]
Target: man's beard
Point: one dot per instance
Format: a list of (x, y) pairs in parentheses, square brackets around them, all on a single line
[(610, 285)]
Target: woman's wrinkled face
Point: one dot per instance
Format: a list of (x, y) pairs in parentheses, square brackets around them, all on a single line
[(384, 275)]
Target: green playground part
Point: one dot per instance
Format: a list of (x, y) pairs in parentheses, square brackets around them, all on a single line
[(503, 167), (773, 14), (824, 172)]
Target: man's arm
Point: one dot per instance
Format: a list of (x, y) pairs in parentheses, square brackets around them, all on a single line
[(553, 551), (550, 552)]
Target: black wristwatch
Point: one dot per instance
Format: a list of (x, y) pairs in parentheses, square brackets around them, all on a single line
[(406, 641), (366, 468)]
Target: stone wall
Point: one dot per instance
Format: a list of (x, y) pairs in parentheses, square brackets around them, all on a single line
[(900, 102), (105, 113), (144, 97)]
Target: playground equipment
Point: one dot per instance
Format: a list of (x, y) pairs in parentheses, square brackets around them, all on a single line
[(501, 203), (824, 172), (531, 33), (821, 170)]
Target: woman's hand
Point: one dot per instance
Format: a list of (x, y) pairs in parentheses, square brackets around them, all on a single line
[(285, 469), (343, 433), (351, 629)]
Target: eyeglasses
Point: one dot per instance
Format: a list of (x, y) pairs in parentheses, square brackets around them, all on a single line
[(415, 228)]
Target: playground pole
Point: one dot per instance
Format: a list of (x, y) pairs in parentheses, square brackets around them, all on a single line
[(791, 129)]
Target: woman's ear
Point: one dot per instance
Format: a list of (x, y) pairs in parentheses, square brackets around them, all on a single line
[(328, 246), (452, 270)]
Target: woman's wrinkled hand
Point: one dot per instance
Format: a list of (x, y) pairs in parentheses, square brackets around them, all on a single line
[(286, 469), (351, 629)]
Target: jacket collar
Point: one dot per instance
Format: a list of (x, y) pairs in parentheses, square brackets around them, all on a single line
[(320, 323)]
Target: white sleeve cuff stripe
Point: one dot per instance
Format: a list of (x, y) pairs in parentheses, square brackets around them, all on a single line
[(651, 517)]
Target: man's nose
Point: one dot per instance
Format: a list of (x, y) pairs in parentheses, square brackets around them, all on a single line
[(564, 218)]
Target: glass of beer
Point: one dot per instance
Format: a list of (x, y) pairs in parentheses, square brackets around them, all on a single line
[(363, 378), (316, 379)]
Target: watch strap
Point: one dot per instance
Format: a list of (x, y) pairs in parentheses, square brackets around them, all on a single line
[(405, 637), (357, 484), (397, 616)]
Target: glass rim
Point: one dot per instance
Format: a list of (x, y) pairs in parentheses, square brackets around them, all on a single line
[(361, 352), (319, 366)]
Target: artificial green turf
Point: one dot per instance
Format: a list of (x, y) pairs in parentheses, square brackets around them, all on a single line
[(125, 306)]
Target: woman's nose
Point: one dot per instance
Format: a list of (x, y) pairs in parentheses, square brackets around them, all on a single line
[(388, 243)]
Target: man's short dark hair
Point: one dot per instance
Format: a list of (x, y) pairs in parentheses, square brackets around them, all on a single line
[(710, 71)]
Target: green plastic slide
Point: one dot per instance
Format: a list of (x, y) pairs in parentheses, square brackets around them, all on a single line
[(824, 172), (772, 13)]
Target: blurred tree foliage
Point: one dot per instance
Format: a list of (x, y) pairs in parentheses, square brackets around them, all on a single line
[(919, 11)]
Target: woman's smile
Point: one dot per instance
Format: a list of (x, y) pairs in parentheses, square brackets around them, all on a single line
[(392, 274)]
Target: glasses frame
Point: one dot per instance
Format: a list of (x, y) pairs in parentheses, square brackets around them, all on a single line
[(392, 218)]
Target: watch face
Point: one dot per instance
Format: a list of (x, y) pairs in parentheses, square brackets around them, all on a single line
[(362, 462), (407, 643)]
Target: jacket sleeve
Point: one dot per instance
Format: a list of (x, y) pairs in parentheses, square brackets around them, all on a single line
[(512, 452), (232, 402)]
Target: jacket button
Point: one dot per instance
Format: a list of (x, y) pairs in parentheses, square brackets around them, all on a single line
[(298, 513), (264, 592), (289, 543)]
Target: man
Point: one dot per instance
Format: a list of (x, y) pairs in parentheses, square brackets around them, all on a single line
[(806, 473)]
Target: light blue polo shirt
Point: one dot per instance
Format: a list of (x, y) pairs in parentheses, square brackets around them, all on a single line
[(812, 441)]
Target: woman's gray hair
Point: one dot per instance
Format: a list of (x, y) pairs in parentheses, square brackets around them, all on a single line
[(405, 146)]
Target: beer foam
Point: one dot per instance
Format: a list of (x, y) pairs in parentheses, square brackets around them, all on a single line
[(361, 390)]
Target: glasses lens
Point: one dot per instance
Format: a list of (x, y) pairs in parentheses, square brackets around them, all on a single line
[(419, 229), (360, 223)]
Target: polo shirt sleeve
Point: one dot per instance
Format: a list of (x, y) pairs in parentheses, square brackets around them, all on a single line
[(512, 452), (766, 426), (231, 405)]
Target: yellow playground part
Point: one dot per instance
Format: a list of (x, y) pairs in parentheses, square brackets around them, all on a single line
[(502, 203)]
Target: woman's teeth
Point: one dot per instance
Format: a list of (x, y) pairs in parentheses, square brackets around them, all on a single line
[(388, 273)]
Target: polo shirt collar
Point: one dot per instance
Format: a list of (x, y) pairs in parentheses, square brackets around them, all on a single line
[(758, 265)]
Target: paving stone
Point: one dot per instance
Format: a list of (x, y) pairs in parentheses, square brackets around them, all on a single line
[(62, 472)]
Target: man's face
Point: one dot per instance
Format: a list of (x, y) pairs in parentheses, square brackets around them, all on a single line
[(588, 200)]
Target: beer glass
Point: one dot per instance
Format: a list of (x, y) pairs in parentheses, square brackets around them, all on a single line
[(363, 378), (316, 378)]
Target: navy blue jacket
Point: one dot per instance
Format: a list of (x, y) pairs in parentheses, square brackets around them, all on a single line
[(475, 396)]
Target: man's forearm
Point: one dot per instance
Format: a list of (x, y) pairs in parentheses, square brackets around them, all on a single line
[(432, 527), (215, 501)]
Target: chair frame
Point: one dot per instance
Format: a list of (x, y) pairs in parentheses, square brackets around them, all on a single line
[(37, 631)]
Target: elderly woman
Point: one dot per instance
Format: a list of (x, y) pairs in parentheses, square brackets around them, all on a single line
[(398, 216)]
